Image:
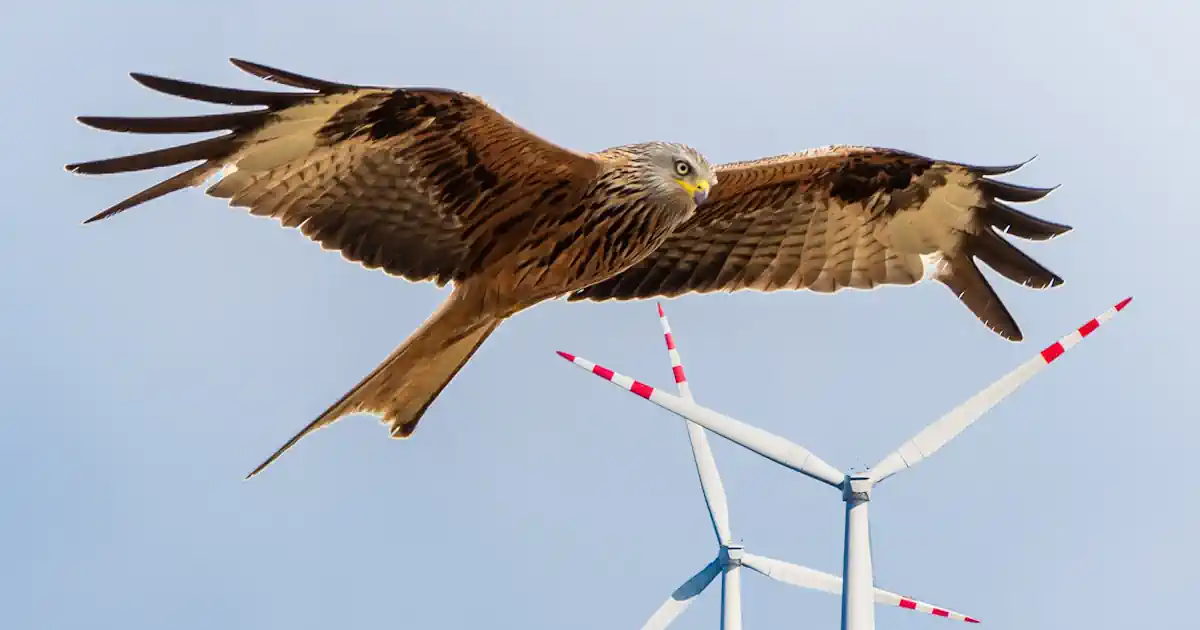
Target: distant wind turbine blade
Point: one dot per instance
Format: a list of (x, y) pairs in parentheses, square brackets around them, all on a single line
[(888, 598), (710, 483), (794, 574), (683, 597), (805, 577), (685, 390), (706, 466), (767, 444), (938, 434)]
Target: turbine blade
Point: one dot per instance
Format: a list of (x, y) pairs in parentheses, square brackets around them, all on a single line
[(794, 574), (685, 390), (767, 444), (683, 597), (888, 598), (946, 428), (706, 466), (805, 577)]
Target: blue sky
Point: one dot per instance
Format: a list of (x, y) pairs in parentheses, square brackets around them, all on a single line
[(148, 362)]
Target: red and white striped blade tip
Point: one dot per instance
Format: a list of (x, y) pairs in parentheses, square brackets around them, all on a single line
[(676, 361), (919, 606), (1057, 349), (616, 378)]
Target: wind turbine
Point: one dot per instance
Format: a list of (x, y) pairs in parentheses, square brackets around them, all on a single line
[(730, 556), (858, 610)]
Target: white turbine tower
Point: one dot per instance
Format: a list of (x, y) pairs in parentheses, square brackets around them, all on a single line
[(859, 595), (731, 557)]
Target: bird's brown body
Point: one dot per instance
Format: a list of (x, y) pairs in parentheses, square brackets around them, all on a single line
[(434, 185), (587, 238)]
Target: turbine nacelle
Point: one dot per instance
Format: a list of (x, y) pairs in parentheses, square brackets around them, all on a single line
[(857, 488)]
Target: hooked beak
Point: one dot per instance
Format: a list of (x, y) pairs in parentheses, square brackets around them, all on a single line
[(700, 194)]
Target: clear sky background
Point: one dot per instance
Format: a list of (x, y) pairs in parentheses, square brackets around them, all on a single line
[(148, 362)]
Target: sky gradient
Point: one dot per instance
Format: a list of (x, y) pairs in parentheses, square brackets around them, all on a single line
[(150, 361)]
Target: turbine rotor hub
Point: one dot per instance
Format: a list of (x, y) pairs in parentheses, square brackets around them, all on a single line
[(731, 555)]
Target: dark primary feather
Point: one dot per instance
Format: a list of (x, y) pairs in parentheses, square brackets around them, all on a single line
[(415, 181), (1010, 262), (812, 221), (997, 170), (236, 121), (1012, 221), (291, 79), (216, 94), (210, 149), (1012, 192)]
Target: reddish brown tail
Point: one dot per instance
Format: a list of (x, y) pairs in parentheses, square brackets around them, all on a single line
[(410, 379)]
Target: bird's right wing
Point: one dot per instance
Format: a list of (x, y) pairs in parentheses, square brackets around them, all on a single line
[(424, 183), (847, 217)]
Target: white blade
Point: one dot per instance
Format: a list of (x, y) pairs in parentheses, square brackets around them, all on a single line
[(805, 577), (938, 434), (706, 466), (683, 597), (710, 483), (766, 444), (794, 574)]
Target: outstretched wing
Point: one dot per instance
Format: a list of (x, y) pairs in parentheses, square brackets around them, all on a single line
[(424, 183), (847, 217)]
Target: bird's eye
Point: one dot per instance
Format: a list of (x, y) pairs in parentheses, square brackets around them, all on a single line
[(682, 168)]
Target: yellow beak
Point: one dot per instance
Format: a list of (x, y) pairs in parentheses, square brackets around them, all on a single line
[(699, 191)]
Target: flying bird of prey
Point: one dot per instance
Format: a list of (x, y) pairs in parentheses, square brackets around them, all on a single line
[(432, 184)]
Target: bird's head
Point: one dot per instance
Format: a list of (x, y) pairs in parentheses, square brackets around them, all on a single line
[(677, 169)]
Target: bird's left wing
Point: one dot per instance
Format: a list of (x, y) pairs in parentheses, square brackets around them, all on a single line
[(428, 184), (847, 217)]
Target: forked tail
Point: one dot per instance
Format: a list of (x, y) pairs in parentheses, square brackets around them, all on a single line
[(410, 379)]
